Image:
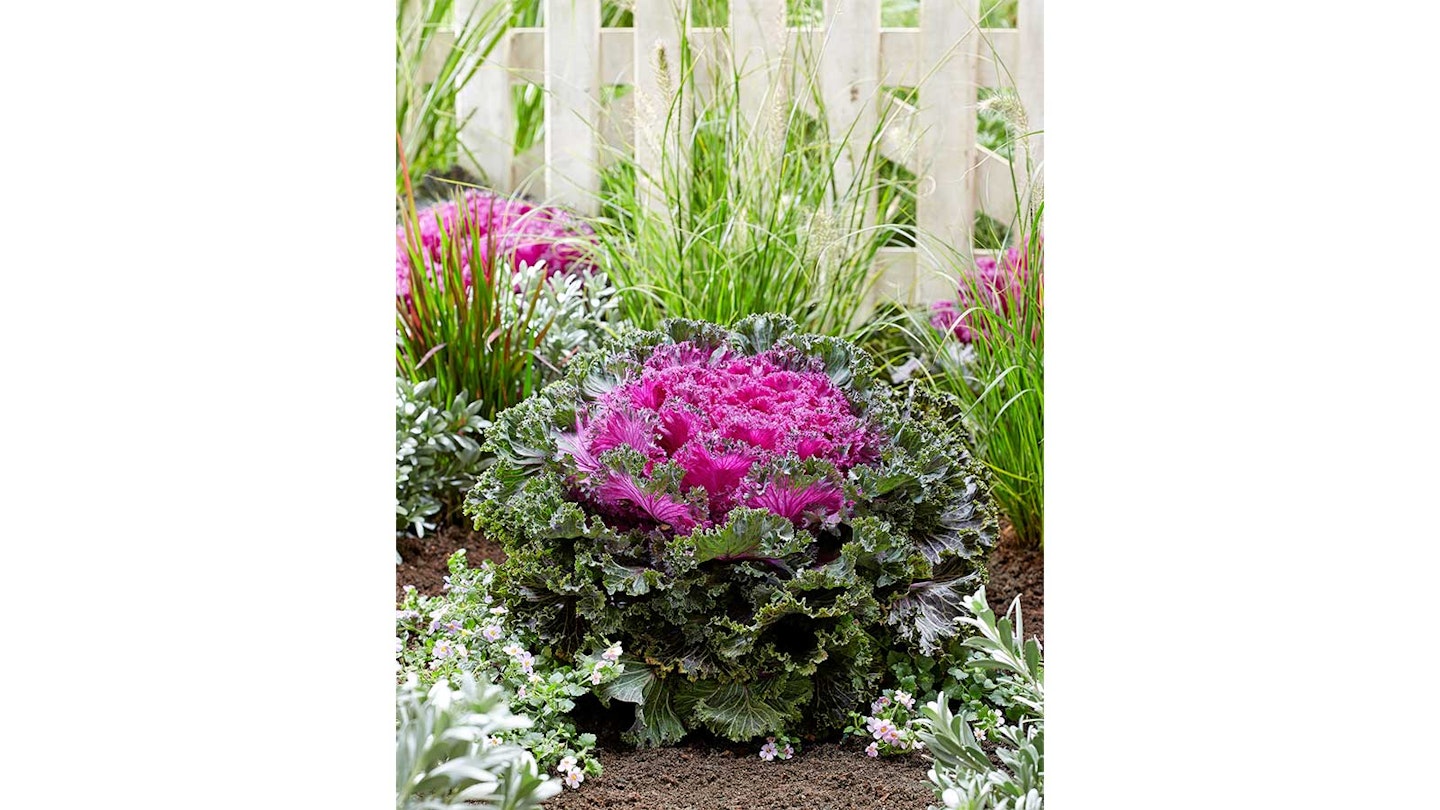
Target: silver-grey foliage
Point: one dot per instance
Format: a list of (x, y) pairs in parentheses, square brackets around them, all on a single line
[(437, 453), (965, 778), (445, 755)]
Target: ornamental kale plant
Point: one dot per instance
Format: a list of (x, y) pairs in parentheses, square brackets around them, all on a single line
[(746, 512)]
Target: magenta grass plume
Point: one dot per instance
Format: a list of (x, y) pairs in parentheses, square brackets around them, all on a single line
[(507, 226)]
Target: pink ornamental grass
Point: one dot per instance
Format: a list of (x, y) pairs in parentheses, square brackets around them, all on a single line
[(506, 226), (722, 418)]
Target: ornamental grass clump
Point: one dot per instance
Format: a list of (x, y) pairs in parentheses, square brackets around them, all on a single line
[(997, 369), (503, 226), (752, 518), (493, 296)]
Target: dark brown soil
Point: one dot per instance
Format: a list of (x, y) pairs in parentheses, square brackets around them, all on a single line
[(1018, 571), (422, 560), (716, 775), (827, 776)]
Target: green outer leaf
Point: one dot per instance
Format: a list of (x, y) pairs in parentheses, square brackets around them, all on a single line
[(928, 611), (741, 712), (748, 533), (630, 685), (656, 721)]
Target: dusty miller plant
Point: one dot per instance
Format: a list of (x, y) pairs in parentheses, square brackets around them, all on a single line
[(437, 453), (965, 778), (445, 755)]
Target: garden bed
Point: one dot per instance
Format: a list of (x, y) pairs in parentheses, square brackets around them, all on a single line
[(706, 773)]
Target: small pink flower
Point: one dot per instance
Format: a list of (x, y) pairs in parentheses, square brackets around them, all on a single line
[(872, 750), (885, 731)]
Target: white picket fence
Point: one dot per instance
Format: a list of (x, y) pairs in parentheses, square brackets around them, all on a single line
[(948, 57)]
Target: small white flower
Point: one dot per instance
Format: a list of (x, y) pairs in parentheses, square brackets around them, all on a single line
[(512, 649), (596, 676), (612, 654), (905, 699), (574, 777), (399, 644), (980, 734), (534, 678), (566, 764), (499, 611), (491, 633), (492, 740)]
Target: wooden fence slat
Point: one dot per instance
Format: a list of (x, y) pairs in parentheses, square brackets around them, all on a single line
[(900, 61), (483, 105), (572, 103), (850, 84), (945, 207), (757, 36), (659, 24), (1030, 81)]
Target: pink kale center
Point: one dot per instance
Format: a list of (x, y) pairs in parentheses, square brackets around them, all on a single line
[(723, 419)]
